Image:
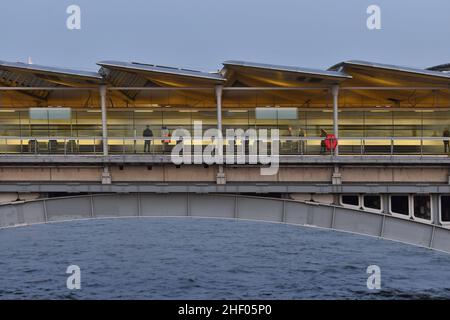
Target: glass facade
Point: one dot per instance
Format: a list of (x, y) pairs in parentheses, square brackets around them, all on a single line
[(406, 131)]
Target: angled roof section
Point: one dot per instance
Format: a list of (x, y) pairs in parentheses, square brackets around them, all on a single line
[(17, 74), (381, 70), (151, 71), (55, 75), (274, 67), (418, 86), (130, 75), (243, 73)]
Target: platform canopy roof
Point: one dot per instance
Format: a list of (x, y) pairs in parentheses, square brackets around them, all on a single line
[(397, 85), (17, 74), (366, 73), (32, 75), (132, 74), (125, 74), (315, 83), (245, 83), (242, 73)]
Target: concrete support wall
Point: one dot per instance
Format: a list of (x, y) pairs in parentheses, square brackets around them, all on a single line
[(395, 174), (246, 174), (50, 174)]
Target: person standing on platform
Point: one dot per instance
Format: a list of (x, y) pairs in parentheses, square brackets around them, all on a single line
[(148, 133), (323, 146), (446, 134), (301, 134), (165, 134)]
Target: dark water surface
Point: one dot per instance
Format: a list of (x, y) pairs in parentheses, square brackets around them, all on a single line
[(211, 259)]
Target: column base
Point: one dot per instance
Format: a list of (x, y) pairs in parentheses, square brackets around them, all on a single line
[(221, 178), (336, 178), (106, 176)]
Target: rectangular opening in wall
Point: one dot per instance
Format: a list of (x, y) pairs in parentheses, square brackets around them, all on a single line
[(350, 200), (445, 208), (400, 205), (372, 201), (422, 207)]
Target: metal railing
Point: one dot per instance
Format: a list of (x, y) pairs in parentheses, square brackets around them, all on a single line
[(295, 146)]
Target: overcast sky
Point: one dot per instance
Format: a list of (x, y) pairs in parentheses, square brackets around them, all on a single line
[(201, 34)]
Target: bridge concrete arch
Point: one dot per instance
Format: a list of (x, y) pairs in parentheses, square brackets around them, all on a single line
[(98, 206)]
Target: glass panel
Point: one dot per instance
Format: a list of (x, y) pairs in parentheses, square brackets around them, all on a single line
[(208, 118), (445, 208), (378, 123), (372, 202), (10, 123), (121, 123), (144, 118), (422, 207), (351, 123), (435, 124), (407, 123), (287, 114), (24, 119), (87, 123), (236, 119), (173, 119), (38, 114), (350, 199), (318, 120), (59, 113), (39, 122), (266, 114), (400, 204)]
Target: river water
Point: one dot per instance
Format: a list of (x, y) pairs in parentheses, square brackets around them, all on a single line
[(187, 258)]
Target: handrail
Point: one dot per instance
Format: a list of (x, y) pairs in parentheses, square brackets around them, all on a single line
[(288, 145), (281, 138)]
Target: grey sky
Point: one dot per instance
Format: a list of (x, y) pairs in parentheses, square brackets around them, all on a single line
[(202, 33)]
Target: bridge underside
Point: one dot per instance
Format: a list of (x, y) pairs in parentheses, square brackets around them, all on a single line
[(229, 207)]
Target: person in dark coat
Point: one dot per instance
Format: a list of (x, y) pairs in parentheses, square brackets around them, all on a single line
[(147, 134), (323, 146), (446, 134)]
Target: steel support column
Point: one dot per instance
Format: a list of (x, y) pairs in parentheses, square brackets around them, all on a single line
[(335, 93), (221, 179), (336, 176), (106, 175), (219, 90), (104, 119)]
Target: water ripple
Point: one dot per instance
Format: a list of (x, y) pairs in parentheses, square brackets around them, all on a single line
[(211, 259)]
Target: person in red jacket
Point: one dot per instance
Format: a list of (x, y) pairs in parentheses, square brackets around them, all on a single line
[(331, 142)]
